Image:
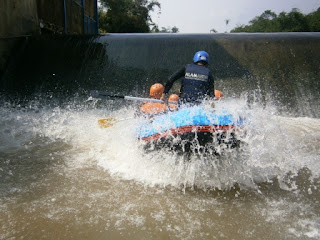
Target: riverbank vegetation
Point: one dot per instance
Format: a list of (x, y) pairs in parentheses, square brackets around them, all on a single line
[(127, 16), (133, 16), (294, 21)]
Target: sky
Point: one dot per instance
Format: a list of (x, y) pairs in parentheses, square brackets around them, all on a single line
[(200, 16)]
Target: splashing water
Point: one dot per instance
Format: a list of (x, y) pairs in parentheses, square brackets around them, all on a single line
[(63, 177), (274, 146), (63, 142)]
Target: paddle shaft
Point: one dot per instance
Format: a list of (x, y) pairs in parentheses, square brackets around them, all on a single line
[(97, 93)]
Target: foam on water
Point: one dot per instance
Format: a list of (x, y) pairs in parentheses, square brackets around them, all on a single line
[(274, 146), (276, 150)]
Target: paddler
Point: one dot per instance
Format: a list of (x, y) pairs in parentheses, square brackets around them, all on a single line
[(173, 102), (152, 108), (156, 91), (218, 94), (197, 83)]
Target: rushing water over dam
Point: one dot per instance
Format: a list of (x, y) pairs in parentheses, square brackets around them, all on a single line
[(63, 177), (283, 67)]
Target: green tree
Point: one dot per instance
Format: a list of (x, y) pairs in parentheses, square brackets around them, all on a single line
[(174, 29), (103, 24), (154, 28), (314, 21), (168, 30), (126, 16), (263, 23), (293, 21)]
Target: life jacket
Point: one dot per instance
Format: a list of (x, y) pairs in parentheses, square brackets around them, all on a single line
[(153, 108), (195, 83)]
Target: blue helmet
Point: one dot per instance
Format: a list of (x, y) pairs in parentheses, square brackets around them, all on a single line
[(201, 56)]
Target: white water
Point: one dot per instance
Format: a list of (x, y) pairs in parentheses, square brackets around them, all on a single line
[(63, 150), (275, 146)]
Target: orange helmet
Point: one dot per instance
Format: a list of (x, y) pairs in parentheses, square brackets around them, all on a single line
[(218, 94), (173, 98), (156, 90)]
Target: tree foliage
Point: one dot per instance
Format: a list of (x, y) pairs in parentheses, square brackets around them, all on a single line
[(155, 29), (126, 16), (293, 21)]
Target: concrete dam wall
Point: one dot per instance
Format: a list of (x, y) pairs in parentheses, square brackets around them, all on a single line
[(283, 68)]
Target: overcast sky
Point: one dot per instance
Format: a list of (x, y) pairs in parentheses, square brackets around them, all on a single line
[(200, 16)]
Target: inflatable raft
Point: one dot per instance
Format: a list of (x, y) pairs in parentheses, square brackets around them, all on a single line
[(188, 126)]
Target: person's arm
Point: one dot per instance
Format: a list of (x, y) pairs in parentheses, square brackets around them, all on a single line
[(173, 78)]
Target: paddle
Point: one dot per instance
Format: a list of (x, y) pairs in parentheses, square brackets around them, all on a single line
[(103, 94), (108, 122)]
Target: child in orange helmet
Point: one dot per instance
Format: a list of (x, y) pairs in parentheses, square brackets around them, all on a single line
[(156, 91), (173, 98), (218, 94)]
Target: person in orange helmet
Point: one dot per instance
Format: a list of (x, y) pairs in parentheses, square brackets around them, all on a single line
[(156, 90), (218, 94), (173, 98), (152, 108)]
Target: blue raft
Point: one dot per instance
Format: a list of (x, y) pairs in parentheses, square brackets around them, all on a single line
[(187, 124)]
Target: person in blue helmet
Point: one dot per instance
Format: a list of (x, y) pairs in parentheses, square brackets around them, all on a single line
[(197, 82)]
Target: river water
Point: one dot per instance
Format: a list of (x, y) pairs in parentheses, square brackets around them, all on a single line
[(64, 177)]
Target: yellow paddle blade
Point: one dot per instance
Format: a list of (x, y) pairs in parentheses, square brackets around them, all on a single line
[(107, 122)]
